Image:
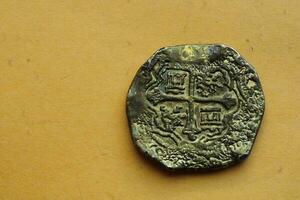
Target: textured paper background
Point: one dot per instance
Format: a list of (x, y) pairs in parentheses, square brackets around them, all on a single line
[(65, 67)]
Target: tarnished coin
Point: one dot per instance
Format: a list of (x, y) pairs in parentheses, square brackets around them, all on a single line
[(195, 107)]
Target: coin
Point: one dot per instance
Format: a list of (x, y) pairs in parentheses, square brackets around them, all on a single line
[(195, 107)]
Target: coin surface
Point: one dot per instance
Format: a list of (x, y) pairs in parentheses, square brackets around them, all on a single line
[(195, 107)]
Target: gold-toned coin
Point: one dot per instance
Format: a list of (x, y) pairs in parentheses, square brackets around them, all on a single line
[(195, 107)]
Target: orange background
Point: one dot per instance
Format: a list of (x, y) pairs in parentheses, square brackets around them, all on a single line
[(65, 67)]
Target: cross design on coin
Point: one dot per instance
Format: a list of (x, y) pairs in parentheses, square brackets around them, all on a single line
[(177, 85)]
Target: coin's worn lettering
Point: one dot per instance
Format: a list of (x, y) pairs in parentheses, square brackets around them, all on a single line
[(195, 107)]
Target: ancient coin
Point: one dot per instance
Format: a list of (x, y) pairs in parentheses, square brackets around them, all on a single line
[(195, 107)]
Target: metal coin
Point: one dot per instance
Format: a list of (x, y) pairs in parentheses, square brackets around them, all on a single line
[(195, 107)]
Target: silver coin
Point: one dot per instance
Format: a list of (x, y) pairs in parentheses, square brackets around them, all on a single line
[(195, 107)]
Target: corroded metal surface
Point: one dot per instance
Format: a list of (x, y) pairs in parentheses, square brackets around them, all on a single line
[(195, 107)]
